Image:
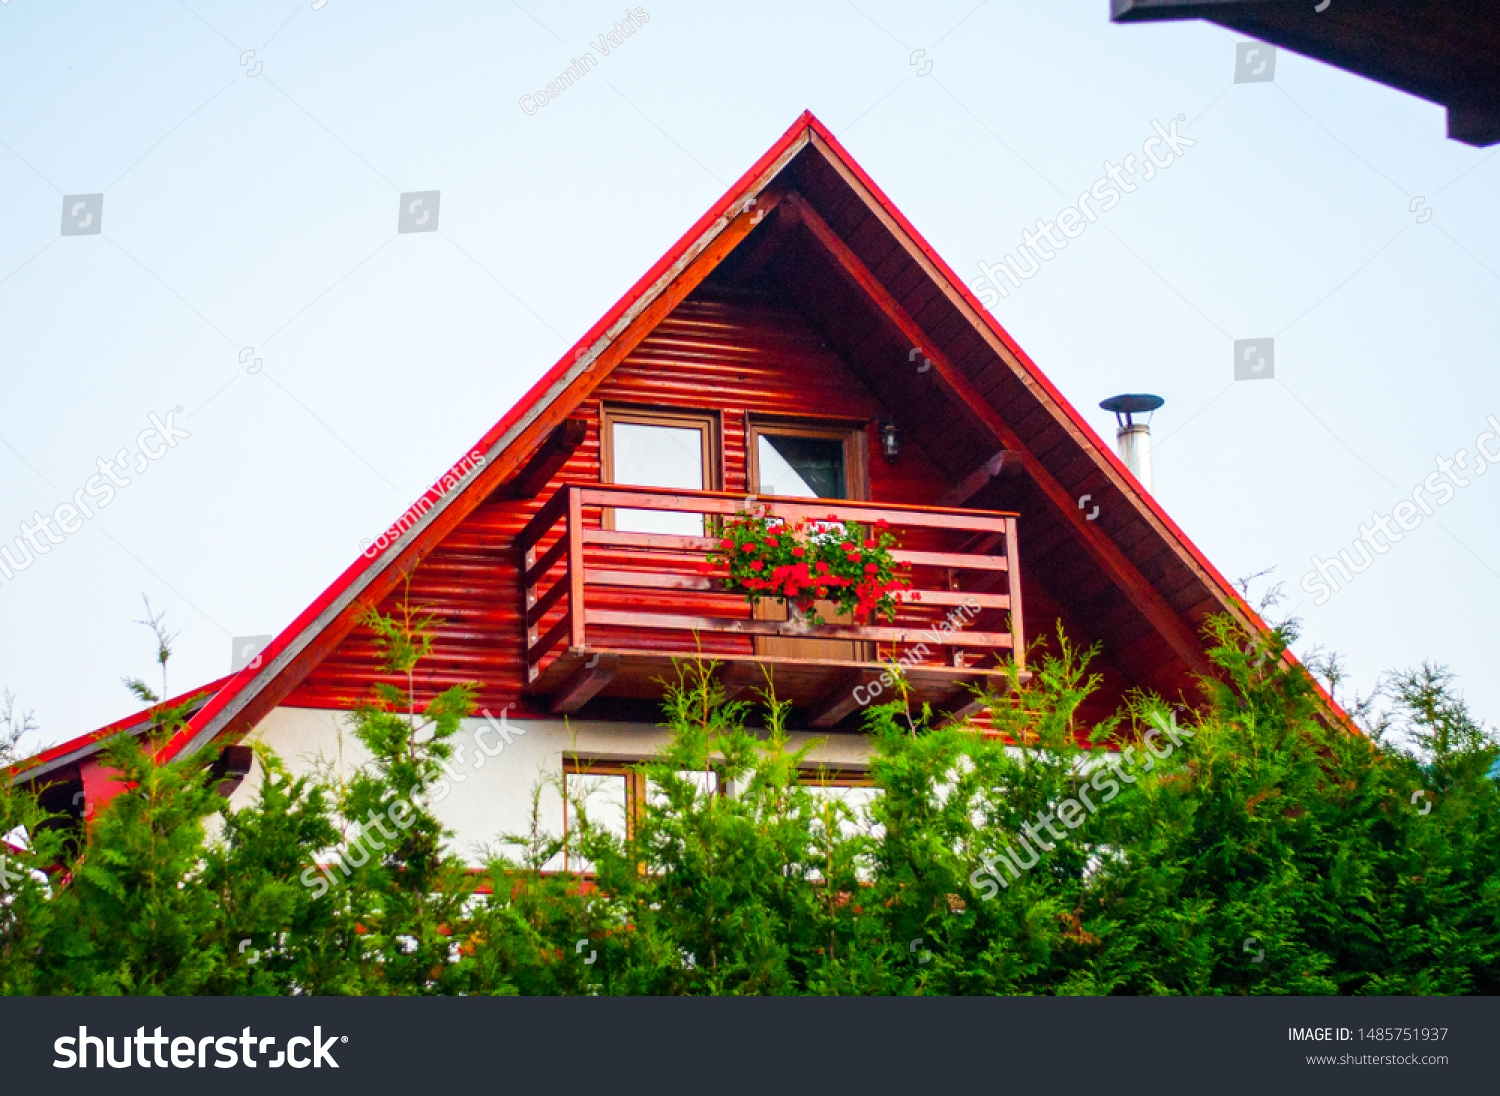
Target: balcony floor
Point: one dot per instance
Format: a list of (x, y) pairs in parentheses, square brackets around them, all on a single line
[(822, 691)]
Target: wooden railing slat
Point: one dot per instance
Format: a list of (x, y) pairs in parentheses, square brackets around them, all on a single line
[(546, 563), (636, 564), (961, 597), (959, 561), (728, 625), (649, 540), (544, 519), (544, 604), (535, 651), (650, 580)]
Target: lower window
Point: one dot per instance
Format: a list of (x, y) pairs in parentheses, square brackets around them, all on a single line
[(611, 794)]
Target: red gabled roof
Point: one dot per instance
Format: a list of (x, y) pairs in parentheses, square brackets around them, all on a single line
[(310, 637), (84, 745)]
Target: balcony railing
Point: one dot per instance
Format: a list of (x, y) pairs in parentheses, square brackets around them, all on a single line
[(606, 611)]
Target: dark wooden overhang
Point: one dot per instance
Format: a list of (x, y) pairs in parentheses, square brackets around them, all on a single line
[(1446, 53), (976, 408)]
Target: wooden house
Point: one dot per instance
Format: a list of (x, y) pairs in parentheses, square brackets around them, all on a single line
[(801, 348)]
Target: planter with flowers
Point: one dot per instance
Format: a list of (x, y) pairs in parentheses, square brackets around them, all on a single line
[(805, 562)]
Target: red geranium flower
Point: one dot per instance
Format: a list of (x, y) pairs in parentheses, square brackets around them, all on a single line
[(757, 565)]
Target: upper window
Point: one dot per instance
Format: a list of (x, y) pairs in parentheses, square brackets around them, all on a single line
[(644, 448), (806, 461)]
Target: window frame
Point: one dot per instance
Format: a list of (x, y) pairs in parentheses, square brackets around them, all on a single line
[(853, 435), (579, 766), (637, 789), (834, 776), (710, 425)]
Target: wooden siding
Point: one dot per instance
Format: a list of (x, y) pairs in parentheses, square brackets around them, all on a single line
[(735, 354)]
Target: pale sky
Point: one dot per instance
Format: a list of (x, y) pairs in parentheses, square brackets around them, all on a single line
[(259, 211)]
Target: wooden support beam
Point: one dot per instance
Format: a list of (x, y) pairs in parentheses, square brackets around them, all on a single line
[(958, 705), (766, 243), (1006, 463), (584, 684), (1119, 568), (546, 461), (230, 769), (739, 677), (840, 700), (683, 622)]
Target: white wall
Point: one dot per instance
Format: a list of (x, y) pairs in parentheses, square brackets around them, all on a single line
[(491, 792)]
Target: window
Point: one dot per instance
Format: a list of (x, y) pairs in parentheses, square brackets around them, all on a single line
[(602, 790), (611, 794), (646, 448), (806, 460), (702, 781), (802, 460), (851, 787)]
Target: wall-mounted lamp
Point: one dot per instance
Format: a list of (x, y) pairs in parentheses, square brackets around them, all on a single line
[(890, 444)]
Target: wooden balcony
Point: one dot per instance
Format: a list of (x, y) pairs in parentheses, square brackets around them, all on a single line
[(607, 611)]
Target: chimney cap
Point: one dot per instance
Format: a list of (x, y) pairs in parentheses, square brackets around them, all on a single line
[(1132, 402)]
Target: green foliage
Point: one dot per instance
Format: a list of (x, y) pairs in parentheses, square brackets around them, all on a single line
[(1252, 846), (405, 890), (133, 916), (29, 845), (720, 894)]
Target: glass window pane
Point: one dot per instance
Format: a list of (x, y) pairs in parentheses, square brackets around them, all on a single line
[(858, 801), (646, 455), (801, 467), (704, 782), (603, 799)]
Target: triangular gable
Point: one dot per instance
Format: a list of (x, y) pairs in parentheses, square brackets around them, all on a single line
[(895, 274)]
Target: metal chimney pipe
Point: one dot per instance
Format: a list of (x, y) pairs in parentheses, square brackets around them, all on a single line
[(1134, 443), (1134, 438)]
